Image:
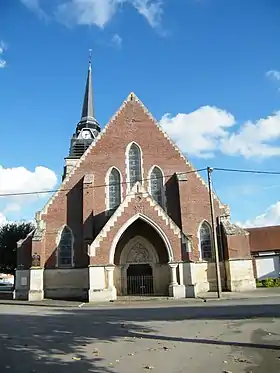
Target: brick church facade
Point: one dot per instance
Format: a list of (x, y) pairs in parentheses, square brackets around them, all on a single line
[(132, 216)]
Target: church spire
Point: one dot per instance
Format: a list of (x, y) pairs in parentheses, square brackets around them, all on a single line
[(87, 112), (88, 128), (87, 118)]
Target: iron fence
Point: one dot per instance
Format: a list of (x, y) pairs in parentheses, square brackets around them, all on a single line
[(140, 285)]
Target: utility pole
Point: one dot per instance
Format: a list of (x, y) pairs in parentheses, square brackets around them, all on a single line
[(214, 233)]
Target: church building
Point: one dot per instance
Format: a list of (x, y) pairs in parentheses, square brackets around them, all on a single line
[(130, 218)]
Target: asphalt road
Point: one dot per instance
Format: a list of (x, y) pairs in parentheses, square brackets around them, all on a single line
[(213, 337)]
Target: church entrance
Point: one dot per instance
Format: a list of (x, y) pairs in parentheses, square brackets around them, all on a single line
[(140, 279), (141, 262)]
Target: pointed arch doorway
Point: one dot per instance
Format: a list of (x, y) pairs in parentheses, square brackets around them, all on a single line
[(141, 259), (138, 260)]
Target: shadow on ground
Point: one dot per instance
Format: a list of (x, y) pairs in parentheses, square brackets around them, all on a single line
[(55, 340)]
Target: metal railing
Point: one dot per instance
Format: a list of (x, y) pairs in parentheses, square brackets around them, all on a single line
[(140, 285)]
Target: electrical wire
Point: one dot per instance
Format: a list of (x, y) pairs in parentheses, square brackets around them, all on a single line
[(260, 172), (247, 171), (93, 186)]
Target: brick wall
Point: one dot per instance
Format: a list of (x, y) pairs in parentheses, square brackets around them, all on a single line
[(187, 202)]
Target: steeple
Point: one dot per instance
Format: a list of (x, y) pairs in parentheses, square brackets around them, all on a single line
[(88, 128), (87, 112), (87, 118)]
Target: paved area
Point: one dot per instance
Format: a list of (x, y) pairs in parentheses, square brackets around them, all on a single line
[(254, 294), (226, 336)]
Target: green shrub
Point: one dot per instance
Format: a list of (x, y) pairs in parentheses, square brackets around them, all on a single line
[(268, 283)]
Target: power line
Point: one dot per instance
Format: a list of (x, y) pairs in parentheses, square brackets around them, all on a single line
[(93, 186), (260, 172), (247, 171)]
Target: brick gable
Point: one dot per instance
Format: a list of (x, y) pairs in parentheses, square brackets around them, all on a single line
[(187, 201), (137, 204)]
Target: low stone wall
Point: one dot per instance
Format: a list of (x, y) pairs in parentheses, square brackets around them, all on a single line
[(66, 283), (200, 277)]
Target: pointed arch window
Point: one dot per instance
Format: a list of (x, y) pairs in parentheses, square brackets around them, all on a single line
[(205, 239), (114, 189), (134, 164), (65, 248), (156, 185)]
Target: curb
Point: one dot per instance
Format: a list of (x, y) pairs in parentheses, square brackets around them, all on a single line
[(134, 302)]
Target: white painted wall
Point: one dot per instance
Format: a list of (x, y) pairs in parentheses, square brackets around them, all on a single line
[(240, 275), (268, 267)]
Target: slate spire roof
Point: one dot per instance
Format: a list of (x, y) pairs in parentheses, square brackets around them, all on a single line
[(87, 111)]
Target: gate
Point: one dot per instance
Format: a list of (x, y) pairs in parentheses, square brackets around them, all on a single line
[(140, 280), (140, 285)]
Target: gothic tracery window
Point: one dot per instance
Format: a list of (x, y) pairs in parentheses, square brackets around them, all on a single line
[(134, 161), (65, 248), (205, 241), (156, 185), (114, 189)]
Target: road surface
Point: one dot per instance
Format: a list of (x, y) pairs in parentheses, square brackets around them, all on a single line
[(213, 337)]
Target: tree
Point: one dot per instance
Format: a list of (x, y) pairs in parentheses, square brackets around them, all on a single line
[(10, 234)]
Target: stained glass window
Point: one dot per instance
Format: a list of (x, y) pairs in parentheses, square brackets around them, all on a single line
[(114, 189), (205, 241), (135, 169), (65, 248), (157, 190)]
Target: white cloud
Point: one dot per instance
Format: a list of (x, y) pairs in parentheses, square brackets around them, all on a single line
[(150, 9), (98, 12), (21, 180), (208, 130), (87, 12), (35, 6), (270, 217), (255, 139), (3, 48), (198, 133), (273, 74), (117, 41)]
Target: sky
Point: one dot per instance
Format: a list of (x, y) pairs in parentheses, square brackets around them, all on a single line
[(208, 71)]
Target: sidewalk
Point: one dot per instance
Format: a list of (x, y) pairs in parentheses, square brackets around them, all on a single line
[(254, 294)]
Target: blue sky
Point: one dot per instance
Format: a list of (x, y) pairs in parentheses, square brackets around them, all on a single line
[(208, 70)]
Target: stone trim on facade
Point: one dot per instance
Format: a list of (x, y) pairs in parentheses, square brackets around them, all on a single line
[(136, 191)]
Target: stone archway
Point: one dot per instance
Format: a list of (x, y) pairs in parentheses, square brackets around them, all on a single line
[(152, 224), (141, 258), (138, 262)]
